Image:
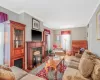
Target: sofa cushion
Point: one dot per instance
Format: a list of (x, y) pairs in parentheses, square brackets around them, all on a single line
[(73, 64), (73, 74), (86, 67), (97, 61), (31, 77), (76, 59), (74, 78), (19, 73), (78, 55), (96, 72), (71, 58), (6, 75), (88, 54)]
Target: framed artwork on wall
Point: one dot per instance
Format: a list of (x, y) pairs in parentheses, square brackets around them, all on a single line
[(35, 24), (98, 25)]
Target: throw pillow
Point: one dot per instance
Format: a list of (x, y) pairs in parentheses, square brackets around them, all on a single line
[(96, 72), (6, 75), (86, 67), (88, 54)]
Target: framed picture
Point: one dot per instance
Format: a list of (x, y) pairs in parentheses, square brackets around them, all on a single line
[(35, 24)]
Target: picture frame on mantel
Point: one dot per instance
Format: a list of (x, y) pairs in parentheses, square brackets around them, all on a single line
[(35, 24)]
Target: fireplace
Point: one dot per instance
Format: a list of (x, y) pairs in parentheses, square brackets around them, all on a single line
[(37, 56), (18, 63), (31, 47), (38, 49)]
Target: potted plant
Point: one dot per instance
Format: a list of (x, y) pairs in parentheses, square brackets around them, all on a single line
[(50, 52)]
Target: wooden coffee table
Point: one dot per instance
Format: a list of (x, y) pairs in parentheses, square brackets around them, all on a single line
[(54, 63)]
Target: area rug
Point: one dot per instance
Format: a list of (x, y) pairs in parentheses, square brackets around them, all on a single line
[(41, 72)]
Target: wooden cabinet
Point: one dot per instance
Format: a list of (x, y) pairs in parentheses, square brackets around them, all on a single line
[(16, 43)]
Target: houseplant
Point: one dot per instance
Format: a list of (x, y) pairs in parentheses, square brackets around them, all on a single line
[(49, 52)]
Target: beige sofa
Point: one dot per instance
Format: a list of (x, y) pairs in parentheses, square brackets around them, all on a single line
[(23, 75), (72, 73), (72, 61)]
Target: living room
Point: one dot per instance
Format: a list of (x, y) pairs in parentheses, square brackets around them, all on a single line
[(27, 41)]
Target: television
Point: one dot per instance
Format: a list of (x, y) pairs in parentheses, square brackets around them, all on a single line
[(36, 35)]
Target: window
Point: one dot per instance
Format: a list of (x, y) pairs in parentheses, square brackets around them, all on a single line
[(1, 43)]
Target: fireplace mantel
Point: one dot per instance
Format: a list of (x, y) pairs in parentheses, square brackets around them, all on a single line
[(30, 45), (34, 44)]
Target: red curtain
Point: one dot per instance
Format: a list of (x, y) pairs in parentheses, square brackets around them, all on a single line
[(65, 32), (3, 17), (47, 31)]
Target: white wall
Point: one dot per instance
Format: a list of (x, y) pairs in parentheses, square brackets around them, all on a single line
[(93, 43), (11, 15), (79, 33), (27, 20), (76, 34)]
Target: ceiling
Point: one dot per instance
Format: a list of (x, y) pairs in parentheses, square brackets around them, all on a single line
[(56, 14)]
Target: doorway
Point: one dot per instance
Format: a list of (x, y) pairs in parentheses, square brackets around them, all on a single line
[(47, 41)]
